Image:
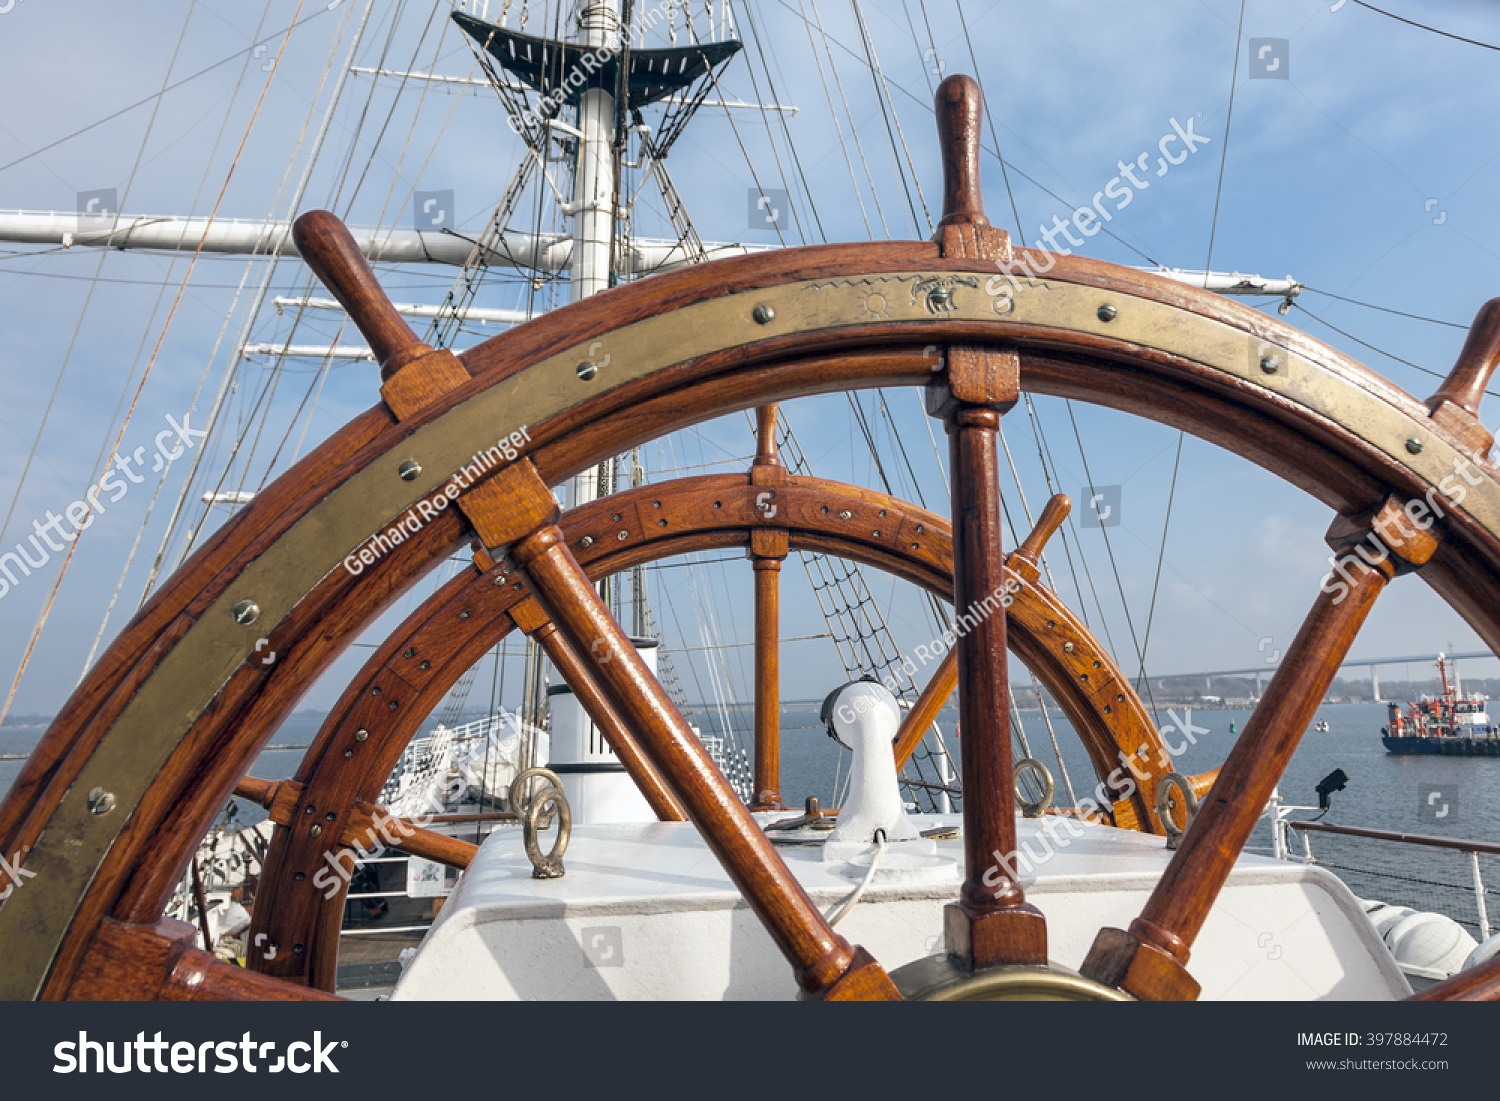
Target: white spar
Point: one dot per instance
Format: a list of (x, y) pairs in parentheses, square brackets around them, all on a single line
[(229, 236)]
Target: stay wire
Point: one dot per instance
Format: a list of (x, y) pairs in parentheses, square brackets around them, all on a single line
[(1109, 549), (1213, 228), (1425, 27), (1156, 584), (146, 373), (989, 118), (785, 128), (1044, 458), (1386, 309), (169, 88), (1373, 348), (875, 80), (1028, 178)]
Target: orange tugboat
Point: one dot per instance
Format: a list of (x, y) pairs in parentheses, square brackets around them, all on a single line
[(1446, 726)]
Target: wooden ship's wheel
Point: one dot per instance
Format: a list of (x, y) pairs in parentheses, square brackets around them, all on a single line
[(109, 808), (362, 739)]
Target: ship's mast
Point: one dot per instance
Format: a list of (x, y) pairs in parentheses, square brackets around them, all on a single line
[(592, 207)]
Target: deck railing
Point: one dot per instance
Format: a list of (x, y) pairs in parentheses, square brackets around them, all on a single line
[(1421, 891)]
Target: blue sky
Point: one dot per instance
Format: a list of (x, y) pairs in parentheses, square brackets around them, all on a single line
[(1362, 175)]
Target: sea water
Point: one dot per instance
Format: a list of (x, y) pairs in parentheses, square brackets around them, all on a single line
[(1384, 791)]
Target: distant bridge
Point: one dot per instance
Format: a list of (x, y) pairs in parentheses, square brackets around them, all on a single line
[(1263, 671)]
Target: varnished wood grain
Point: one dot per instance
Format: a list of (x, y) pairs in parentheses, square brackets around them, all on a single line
[(433, 647), (577, 673), (159, 962), (1150, 959), (959, 108), (1325, 457), (924, 712), (820, 957), (767, 780), (1465, 384), (991, 923), (330, 251)]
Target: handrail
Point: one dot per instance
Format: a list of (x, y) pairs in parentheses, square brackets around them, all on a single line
[(1408, 838)]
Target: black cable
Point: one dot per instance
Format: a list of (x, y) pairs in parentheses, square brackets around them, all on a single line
[(1120, 585), (1234, 74), (1366, 344), (1161, 556), (989, 117), (1424, 26), (1380, 351), (1385, 309)]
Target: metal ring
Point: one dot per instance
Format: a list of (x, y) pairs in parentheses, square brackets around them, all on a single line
[(1038, 808), (1189, 798), (551, 865), (518, 788)]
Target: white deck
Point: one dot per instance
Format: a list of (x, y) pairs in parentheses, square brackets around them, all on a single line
[(645, 912)]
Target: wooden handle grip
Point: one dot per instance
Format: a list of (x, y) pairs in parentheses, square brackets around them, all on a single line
[(959, 111), (1051, 519), (765, 435), (330, 250), (1465, 384)]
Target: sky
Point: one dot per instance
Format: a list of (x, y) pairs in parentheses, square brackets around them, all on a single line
[(1363, 174)]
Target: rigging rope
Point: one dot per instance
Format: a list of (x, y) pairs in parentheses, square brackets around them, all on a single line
[(1224, 149), (1160, 558), (253, 310), (1425, 27), (989, 117), (882, 94), (145, 374), (1109, 550)]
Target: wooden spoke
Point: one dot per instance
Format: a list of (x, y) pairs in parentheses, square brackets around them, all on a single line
[(992, 923), (945, 678), (368, 828), (768, 549), (1455, 405), (1149, 961), (471, 614), (159, 963), (823, 962), (577, 673), (413, 375), (925, 711)]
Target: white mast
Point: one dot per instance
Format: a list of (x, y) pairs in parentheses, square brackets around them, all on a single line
[(592, 208)]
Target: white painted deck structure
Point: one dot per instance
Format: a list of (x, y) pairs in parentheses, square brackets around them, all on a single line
[(645, 912)]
